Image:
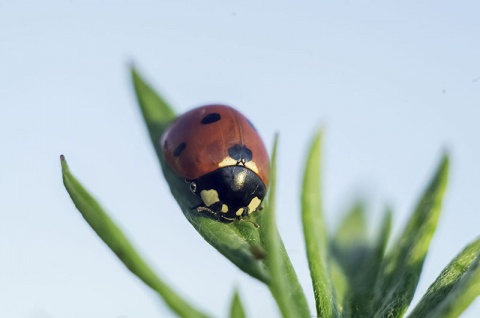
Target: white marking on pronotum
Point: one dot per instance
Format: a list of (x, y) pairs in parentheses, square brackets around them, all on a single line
[(209, 197), (224, 208), (239, 212), (229, 161)]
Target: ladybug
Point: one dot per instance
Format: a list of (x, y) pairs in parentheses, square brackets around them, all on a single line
[(220, 154)]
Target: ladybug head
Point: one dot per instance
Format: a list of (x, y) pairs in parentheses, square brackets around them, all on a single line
[(229, 192)]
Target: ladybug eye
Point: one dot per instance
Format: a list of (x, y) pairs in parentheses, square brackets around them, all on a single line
[(193, 187), (211, 118)]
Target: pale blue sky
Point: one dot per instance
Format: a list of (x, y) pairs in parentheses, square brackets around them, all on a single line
[(393, 83)]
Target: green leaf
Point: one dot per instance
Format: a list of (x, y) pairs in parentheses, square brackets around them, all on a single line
[(353, 229), (156, 111), (109, 232), (359, 259), (284, 284), (402, 266), (455, 288), (383, 237), (238, 240), (236, 307), (341, 287), (316, 236)]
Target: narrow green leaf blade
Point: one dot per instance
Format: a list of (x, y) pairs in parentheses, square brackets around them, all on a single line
[(360, 260), (341, 287), (236, 240), (284, 284), (236, 307), (315, 232), (383, 237), (109, 232), (156, 111), (402, 266), (350, 249), (455, 288), (353, 228)]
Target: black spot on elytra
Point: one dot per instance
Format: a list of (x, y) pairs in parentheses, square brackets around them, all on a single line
[(240, 153), (211, 118), (180, 148)]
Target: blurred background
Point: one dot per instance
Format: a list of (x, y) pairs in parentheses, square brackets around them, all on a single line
[(393, 84)]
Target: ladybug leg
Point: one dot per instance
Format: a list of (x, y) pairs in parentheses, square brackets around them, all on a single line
[(204, 209), (226, 220), (214, 215), (250, 221), (245, 217)]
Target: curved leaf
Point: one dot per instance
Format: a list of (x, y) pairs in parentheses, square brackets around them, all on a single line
[(156, 111), (360, 259), (235, 240), (455, 288), (315, 232), (284, 284), (110, 233), (402, 266)]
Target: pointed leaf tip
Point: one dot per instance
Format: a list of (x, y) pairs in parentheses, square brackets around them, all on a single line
[(232, 240), (131, 65), (315, 231), (445, 161), (64, 164), (157, 113), (284, 284), (114, 238), (403, 264), (236, 307)]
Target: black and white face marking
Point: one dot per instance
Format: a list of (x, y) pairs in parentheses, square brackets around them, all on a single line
[(230, 192)]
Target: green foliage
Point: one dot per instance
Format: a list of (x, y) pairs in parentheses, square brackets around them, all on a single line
[(236, 307), (316, 238), (455, 288), (352, 275), (111, 234), (234, 240), (284, 284), (402, 265), (352, 250)]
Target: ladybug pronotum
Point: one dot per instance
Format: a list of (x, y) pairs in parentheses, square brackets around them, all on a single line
[(220, 154)]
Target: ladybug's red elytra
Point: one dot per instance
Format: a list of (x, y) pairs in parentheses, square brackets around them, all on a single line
[(220, 154)]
